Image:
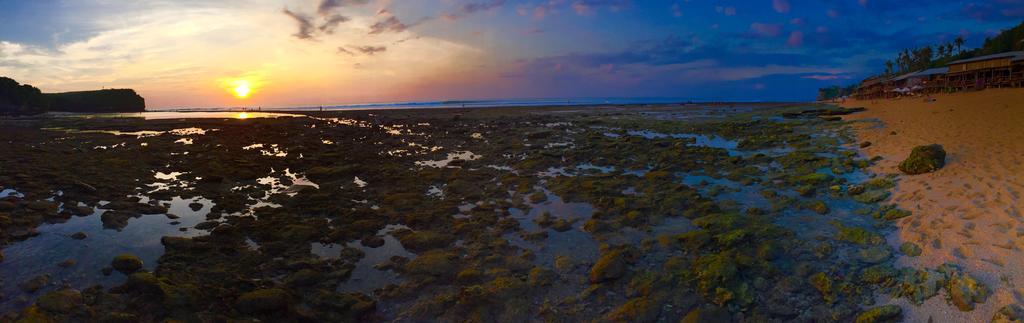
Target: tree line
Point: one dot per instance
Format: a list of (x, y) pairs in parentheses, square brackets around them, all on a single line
[(916, 59)]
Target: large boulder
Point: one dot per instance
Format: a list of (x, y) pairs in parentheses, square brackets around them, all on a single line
[(924, 159)]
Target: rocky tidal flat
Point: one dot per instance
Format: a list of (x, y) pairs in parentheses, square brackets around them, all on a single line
[(637, 214)]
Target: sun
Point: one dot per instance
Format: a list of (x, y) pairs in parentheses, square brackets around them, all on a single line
[(242, 89)]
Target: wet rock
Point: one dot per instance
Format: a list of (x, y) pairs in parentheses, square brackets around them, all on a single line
[(43, 206), (855, 189), (640, 309), (373, 241), (874, 196), (79, 210), (859, 236), (84, 187), (65, 301), (881, 314), (303, 277), (561, 225), (707, 314), (418, 241), (611, 266), (538, 197), (879, 274), (195, 207), (117, 220), (34, 284), (207, 225), (79, 235), (910, 249), (126, 263), (263, 301), (1009, 314), (540, 277), (924, 159), (6, 206), (962, 290), (823, 284), (433, 263), (818, 207), (895, 214), (874, 255), (67, 263), (544, 220)]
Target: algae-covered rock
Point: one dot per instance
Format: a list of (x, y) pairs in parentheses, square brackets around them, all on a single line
[(640, 309), (873, 196), (895, 214), (924, 159), (541, 277), (880, 274), (434, 263), (818, 207), (859, 236), (62, 302), (611, 266), (34, 284), (263, 300), (1009, 314), (417, 241), (710, 314), (874, 255), (881, 314), (910, 249), (126, 263), (962, 290), (823, 284)]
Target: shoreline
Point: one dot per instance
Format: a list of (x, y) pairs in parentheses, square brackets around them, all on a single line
[(966, 213)]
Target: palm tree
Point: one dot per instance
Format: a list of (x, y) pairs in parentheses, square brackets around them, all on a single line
[(888, 67), (959, 44)]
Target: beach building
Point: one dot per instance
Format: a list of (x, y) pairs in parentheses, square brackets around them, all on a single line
[(996, 70), (871, 88)]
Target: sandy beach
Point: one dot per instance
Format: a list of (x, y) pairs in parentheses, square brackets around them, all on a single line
[(968, 212)]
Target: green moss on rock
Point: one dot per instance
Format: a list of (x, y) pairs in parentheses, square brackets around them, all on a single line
[(126, 263), (881, 314), (263, 301), (924, 159)]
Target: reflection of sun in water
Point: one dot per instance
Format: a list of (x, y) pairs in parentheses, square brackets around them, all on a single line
[(242, 89), (243, 115)]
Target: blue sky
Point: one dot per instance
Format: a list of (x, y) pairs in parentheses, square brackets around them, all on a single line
[(189, 52)]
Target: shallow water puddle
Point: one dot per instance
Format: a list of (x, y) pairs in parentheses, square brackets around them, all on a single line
[(10, 192), (453, 156), (748, 196), (139, 134), (365, 276), (574, 242), (42, 254)]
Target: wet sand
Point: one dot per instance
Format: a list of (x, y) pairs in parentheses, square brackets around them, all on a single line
[(968, 212)]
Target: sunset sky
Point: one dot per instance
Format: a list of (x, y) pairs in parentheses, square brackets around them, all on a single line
[(193, 53)]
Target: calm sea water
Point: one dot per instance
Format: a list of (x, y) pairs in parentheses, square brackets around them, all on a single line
[(459, 104)]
